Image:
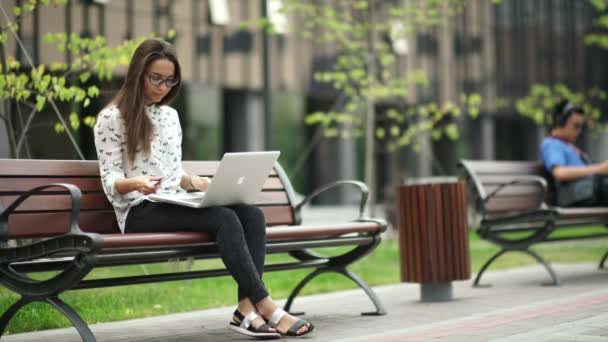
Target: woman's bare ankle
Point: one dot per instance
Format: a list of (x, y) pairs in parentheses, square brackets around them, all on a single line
[(266, 307), (245, 306)]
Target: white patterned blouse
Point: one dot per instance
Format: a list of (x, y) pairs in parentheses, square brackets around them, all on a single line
[(164, 159)]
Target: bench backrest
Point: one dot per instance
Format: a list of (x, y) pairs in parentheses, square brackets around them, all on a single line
[(48, 213), (484, 176)]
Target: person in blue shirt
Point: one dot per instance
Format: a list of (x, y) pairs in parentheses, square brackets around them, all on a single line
[(563, 160)]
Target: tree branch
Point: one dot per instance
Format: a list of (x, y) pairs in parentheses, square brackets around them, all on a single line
[(50, 100)]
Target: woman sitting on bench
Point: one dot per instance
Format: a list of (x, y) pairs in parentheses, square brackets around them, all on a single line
[(138, 140)]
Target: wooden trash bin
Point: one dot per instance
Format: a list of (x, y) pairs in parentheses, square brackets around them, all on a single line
[(433, 235)]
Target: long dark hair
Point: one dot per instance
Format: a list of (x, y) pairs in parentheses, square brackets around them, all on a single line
[(130, 97)]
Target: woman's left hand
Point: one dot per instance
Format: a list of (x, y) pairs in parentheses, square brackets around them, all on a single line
[(200, 183)]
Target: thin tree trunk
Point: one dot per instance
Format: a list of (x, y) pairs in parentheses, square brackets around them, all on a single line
[(6, 108), (370, 165)]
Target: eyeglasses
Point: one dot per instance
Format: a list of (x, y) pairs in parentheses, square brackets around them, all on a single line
[(156, 80)]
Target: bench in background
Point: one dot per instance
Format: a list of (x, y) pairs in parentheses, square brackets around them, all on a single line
[(517, 209), (62, 205)]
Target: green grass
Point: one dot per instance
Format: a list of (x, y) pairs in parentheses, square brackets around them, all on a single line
[(381, 267)]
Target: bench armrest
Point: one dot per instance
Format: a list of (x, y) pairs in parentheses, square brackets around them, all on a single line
[(359, 185), (541, 182), (75, 194)]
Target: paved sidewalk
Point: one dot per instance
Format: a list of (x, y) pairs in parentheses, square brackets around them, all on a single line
[(516, 308)]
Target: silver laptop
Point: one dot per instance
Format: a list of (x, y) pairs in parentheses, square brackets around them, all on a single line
[(238, 180)]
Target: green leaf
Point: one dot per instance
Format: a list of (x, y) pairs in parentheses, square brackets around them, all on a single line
[(17, 11), (40, 101), (474, 99), (93, 91), (59, 128), (395, 131), (436, 134), (84, 77), (86, 103), (451, 131), (90, 121), (360, 5), (330, 132), (74, 121), (474, 113), (600, 5)]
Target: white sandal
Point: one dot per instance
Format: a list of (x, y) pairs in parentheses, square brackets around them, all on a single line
[(244, 326), (276, 317)]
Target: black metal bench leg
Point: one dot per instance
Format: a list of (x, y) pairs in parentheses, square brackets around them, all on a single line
[(485, 266), (350, 275), (548, 267), (601, 266), (80, 325), (8, 314), (298, 288), (370, 293)]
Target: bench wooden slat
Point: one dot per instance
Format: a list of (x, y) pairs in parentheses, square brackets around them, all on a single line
[(98, 201), (27, 225), (505, 204), (153, 240), (505, 167), (24, 184), (582, 212), (515, 190), (46, 168), (501, 179), (41, 167)]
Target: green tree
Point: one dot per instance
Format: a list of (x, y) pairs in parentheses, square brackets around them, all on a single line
[(541, 98), (37, 87), (365, 72)]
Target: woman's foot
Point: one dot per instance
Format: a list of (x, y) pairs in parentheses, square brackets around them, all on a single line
[(288, 325), (248, 322), (284, 323), (252, 325)]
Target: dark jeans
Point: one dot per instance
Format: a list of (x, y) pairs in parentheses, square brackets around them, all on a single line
[(601, 190), (240, 233), (600, 193)]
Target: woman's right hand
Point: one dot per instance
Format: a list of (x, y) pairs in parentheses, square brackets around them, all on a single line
[(144, 184)]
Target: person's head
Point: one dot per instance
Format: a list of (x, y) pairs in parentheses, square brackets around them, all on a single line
[(568, 121), (153, 77)]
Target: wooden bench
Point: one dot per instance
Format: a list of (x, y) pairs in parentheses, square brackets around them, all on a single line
[(517, 210), (63, 203)]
